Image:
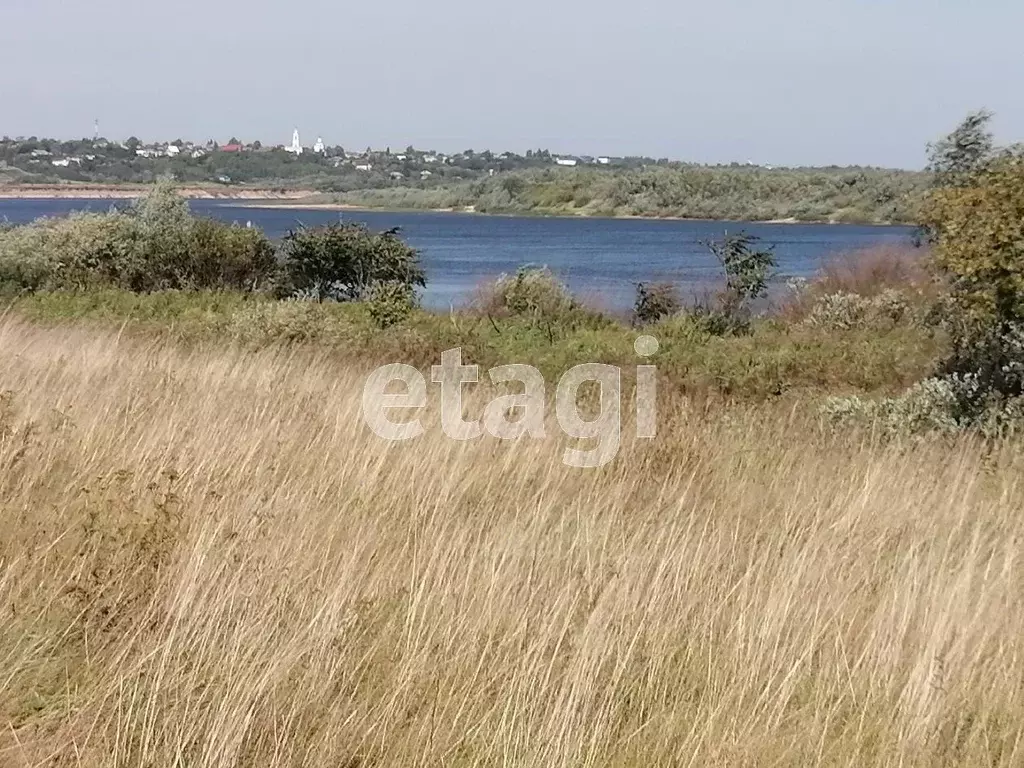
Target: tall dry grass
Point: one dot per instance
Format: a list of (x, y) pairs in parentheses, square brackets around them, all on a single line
[(871, 271), (206, 560)]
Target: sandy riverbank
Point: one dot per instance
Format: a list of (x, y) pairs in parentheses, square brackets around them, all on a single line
[(299, 205), (285, 199), (128, 192)]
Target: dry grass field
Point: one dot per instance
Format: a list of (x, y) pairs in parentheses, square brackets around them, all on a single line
[(206, 560)]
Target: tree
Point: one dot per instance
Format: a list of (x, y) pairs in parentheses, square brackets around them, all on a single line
[(977, 228), (346, 262), (955, 158), (975, 219), (747, 269)]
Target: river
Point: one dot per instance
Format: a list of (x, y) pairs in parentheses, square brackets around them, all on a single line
[(600, 259)]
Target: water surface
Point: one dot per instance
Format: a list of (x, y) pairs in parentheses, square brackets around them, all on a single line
[(600, 259)]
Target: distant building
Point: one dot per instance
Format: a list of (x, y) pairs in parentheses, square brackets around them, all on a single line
[(364, 167), (568, 161), (319, 147), (232, 148), (296, 147), (425, 174), (396, 175), (173, 150), (603, 160)]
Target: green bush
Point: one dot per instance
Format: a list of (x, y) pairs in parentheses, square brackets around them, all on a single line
[(655, 301), (345, 262), (391, 303), (155, 245), (974, 220), (747, 270), (977, 229), (929, 406), (532, 292), (261, 322), (851, 311)]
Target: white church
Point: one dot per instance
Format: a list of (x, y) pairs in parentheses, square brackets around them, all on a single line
[(297, 149)]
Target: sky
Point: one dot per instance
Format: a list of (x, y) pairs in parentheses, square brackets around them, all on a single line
[(783, 82)]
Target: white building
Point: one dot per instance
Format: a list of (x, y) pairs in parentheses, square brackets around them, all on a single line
[(603, 160), (296, 147), (173, 150), (319, 147), (364, 167), (565, 161)]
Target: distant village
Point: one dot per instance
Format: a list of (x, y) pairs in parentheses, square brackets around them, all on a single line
[(100, 159)]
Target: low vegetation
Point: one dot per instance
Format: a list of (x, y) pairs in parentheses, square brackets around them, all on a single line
[(849, 195), (208, 559)]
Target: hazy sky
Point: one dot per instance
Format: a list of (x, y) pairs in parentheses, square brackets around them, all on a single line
[(783, 82)]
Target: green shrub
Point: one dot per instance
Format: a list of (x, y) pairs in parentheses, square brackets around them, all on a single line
[(850, 311), (979, 388), (344, 262), (978, 233), (747, 269), (532, 292), (260, 322), (931, 405), (655, 301), (391, 303), (155, 245)]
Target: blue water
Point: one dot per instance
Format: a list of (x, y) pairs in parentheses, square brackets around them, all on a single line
[(600, 259)]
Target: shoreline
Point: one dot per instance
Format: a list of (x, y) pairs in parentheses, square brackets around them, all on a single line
[(300, 206), (130, 192), (288, 199)]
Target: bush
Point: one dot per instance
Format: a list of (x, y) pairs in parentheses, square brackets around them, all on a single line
[(978, 232), (533, 292), (345, 262), (979, 388), (154, 245), (391, 303), (850, 311), (261, 322), (974, 220), (929, 406), (747, 269), (654, 302)]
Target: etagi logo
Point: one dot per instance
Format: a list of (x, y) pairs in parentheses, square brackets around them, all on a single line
[(606, 428)]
